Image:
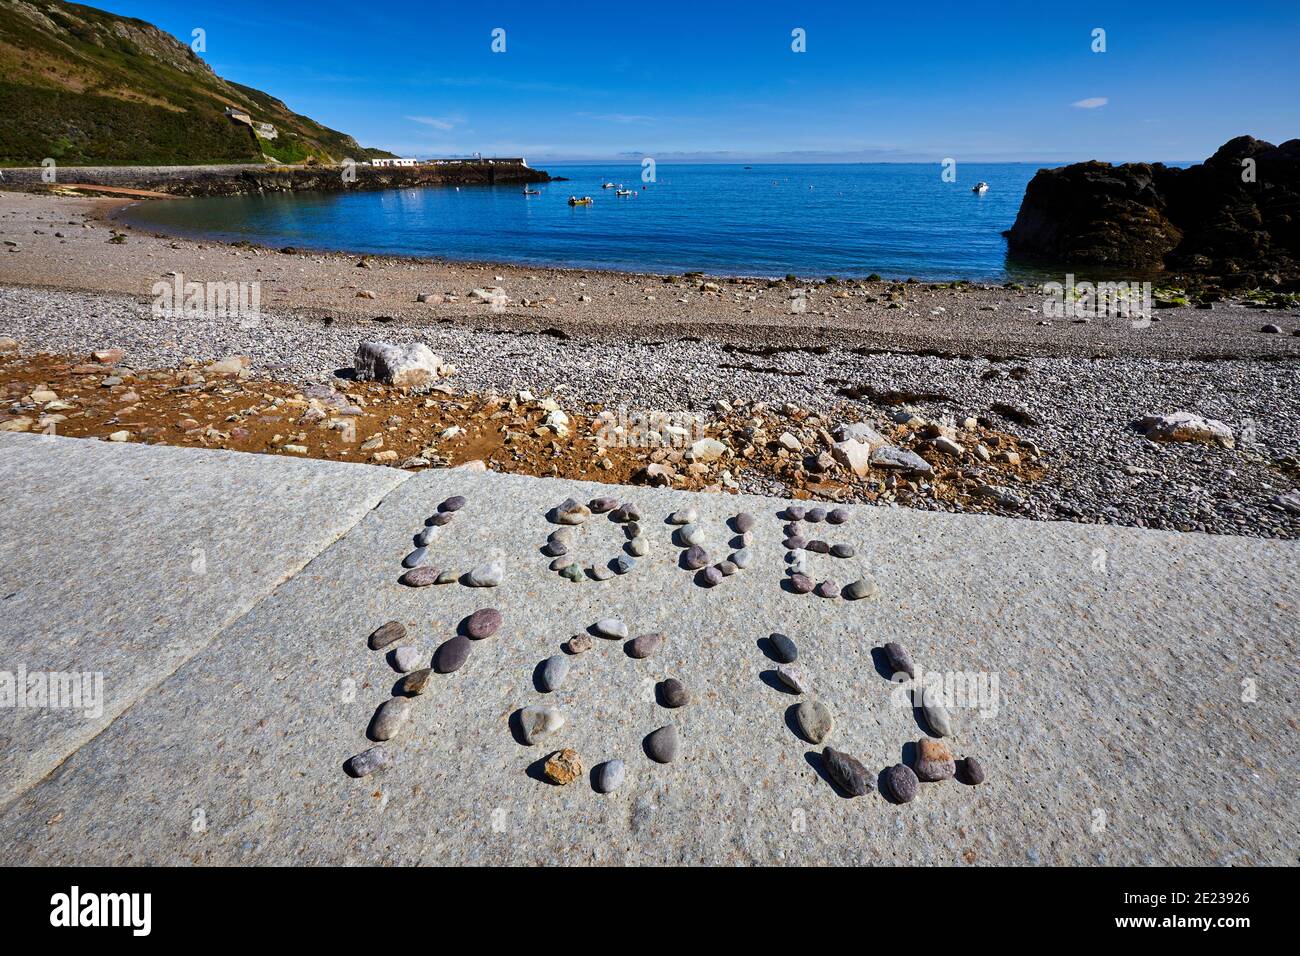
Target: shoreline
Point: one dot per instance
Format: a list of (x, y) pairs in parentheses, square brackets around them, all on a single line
[(611, 342)]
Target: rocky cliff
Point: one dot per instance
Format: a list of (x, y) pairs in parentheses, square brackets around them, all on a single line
[(1233, 220)]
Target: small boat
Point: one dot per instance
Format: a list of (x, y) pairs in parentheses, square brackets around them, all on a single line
[(584, 201), (980, 187), (624, 192), (606, 185), (532, 192)]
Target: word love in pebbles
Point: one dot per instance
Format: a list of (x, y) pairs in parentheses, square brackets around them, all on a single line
[(421, 574), (536, 723), (393, 715), (933, 760)]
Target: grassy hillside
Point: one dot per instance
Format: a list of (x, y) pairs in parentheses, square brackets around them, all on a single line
[(87, 87)]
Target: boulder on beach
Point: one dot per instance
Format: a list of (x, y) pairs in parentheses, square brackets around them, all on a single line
[(407, 366), (1185, 427)]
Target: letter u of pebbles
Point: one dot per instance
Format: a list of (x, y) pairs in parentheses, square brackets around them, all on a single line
[(451, 655), (390, 718), (387, 634), (368, 762), (612, 628), (535, 722), (846, 771), (482, 623), (485, 575), (661, 744)]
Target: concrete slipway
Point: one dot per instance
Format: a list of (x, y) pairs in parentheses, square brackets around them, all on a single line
[(1145, 707)]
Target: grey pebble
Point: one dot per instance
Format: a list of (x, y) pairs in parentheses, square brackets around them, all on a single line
[(900, 662), (828, 589), (623, 564), (554, 670), (560, 563), (674, 692), (783, 648), (695, 558), (861, 588), (711, 577), (486, 575), (684, 517), (391, 716), (612, 628), (440, 519), (644, 645), (387, 634), (426, 536), (742, 558), (407, 658), (451, 655), (537, 721), (794, 542), (815, 515), (368, 762), (661, 744), (743, 522), (726, 568), (817, 546), (794, 512), (600, 572), (846, 771), (838, 516), (842, 551), (936, 714), (791, 677), (454, 503), (800, 583), (900, 783), (971, 771), (638, 546), (690, 534), (814, 720), (415, 558), (609, 776), (555, 549)]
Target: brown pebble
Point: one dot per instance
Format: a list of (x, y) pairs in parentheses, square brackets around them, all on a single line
[(419, 577), (934, 761), (563, 766), (416, 683), (387, 634), (482, 623), (801, 583), (971, 771), (644, 645), (674, 693), (579, 643)]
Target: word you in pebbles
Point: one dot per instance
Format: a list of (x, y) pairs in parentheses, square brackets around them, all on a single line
[(932, 759)]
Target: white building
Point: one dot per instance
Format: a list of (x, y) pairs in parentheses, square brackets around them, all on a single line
[(394, 162)]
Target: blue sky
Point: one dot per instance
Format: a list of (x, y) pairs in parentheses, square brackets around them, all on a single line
[(719, 81)]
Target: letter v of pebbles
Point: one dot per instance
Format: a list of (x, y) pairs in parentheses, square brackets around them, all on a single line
[(536, 722)]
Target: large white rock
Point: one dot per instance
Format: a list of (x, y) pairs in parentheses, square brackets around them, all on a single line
[(410, 366), (707, 449), (491, 296), (861, 431), (1185, 427), (900, 459), (853, 455)]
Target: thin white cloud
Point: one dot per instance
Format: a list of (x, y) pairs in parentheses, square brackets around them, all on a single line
[(624, 118), (444, 123), (1091, 103)]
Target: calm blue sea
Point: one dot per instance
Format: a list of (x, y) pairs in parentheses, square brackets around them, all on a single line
[(768, 220)]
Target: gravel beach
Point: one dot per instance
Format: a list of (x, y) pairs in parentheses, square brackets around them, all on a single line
[(630, 342)]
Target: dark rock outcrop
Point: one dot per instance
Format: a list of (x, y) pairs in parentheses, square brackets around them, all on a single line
[(1213, 220)]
